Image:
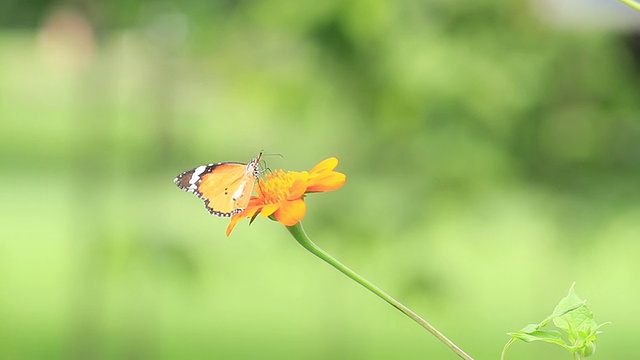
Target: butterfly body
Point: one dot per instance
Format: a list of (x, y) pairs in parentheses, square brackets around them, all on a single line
[(225, 187)]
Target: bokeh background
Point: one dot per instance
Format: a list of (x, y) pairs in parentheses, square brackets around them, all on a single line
[(492, 151)]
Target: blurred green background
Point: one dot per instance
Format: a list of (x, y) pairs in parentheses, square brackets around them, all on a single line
[(493, 158)]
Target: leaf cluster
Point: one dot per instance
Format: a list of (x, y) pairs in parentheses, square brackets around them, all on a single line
[(574, 318)]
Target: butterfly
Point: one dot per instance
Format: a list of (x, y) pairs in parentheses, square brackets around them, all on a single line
[(225, 187)]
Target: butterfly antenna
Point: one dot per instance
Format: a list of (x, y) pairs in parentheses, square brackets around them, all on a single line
[(263, 163), (275, 154)]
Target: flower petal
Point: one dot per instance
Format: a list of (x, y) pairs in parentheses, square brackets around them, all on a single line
[(234, 220), (254, 201), (290, 212), (326, 182), (269, 209), (255, 205), (325, 165), (299, 186)]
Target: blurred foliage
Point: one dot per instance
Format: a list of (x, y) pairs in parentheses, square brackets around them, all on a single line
[(489, 155)]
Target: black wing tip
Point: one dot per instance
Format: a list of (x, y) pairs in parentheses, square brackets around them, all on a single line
[(182, 186)]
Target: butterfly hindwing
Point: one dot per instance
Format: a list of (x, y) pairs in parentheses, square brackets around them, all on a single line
[(223, 190)]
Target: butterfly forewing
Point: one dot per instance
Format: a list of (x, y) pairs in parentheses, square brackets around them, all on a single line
[(189, 180)]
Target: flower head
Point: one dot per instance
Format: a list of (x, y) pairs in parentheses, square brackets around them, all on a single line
[(281, 194)]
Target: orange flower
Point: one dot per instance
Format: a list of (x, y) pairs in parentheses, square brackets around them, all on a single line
[(281, 194)]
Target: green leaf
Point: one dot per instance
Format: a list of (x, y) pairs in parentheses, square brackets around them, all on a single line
[(568, 304), (578, 323), (550, 336)]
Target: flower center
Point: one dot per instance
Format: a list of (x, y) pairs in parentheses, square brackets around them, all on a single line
[(276, 186)]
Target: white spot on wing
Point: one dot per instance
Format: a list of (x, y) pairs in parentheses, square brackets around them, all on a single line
[(239, 192), (196, 174), (195, 177)]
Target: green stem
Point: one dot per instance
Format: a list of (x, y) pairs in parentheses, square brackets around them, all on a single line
[(299, 234), (632, 4)]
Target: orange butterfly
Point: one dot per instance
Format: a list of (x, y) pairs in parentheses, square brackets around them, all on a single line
[(225, 187)]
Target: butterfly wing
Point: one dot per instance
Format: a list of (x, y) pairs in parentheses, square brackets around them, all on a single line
[(225, 187)]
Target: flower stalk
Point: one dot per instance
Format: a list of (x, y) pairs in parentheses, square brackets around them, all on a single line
[(303, 239), (632, 3)]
